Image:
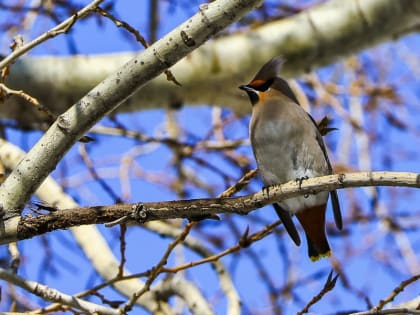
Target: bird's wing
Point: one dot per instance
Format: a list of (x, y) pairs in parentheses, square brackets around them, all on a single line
[(287, 221), (334, 197), (281, 85)]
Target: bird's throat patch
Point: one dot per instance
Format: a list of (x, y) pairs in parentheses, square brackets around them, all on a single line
[(262, 96)]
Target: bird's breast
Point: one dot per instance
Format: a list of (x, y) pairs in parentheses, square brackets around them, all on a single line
[(285, 148)]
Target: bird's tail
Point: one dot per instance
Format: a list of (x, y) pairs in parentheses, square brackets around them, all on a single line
[(313, 222), (287, 221)]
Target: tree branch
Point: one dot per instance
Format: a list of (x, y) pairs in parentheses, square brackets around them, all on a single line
[(28, 227), (390, 311), (53, 295), (395, 292)]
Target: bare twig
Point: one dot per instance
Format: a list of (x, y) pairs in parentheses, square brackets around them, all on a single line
[(55, 295), (123, 230), (328, 286), (158, 268), (395, 292), (137, 35), (245, 241), (239, 185), (187, 148), (91, 168), (6, 91), (61, 28), (125, 25), (154, 19), (390, 311)]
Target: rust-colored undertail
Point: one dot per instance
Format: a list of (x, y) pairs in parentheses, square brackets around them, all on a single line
[(313, 223)]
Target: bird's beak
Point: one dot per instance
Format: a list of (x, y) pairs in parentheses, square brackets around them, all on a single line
[(252, 93), (246, 88)]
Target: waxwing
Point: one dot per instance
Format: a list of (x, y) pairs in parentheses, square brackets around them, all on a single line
[(288, 145)]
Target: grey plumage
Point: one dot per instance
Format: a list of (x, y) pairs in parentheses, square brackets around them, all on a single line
[(287, 146)]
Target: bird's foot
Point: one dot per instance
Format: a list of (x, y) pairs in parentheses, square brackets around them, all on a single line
[(265, 190), (300, 181)]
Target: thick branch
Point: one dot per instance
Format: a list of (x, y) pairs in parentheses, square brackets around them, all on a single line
[(201, 208), (316, 37)]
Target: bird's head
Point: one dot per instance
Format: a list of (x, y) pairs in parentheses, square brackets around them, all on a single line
[(263, 80), (268, 78)]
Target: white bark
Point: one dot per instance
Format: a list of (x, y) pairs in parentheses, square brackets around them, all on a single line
[(318, 36), (53, 295), (189, 293)]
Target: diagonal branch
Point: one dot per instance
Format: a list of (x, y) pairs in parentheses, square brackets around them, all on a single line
[(107, 95), (50, 294), (395, 292), (328, 286)]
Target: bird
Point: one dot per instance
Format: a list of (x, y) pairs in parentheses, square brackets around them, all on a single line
[(288, 145)]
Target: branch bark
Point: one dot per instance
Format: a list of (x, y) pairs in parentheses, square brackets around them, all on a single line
[(53, 295), (202, 208), (316, 37)]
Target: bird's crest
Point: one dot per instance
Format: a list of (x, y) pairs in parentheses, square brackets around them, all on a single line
[(268, 72)]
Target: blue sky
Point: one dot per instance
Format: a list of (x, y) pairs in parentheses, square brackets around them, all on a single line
[(392, 149)]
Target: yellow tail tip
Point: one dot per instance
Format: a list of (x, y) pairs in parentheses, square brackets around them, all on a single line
[(324, 255)]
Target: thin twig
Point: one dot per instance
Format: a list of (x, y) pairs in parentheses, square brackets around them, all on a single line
[(6, 91), (61, 28), (55, 295), (328, 286), (395, 292), (390, 311), (244, 181), (158, 268), (187, 148), (137, 35), (125, 25), (123, 230), (245, 241), (91, 168)]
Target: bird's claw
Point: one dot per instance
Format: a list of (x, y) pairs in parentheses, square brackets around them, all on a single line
[(300, 181), (265, 190)]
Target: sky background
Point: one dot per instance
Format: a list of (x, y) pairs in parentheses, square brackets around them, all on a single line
[(56, 260)]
